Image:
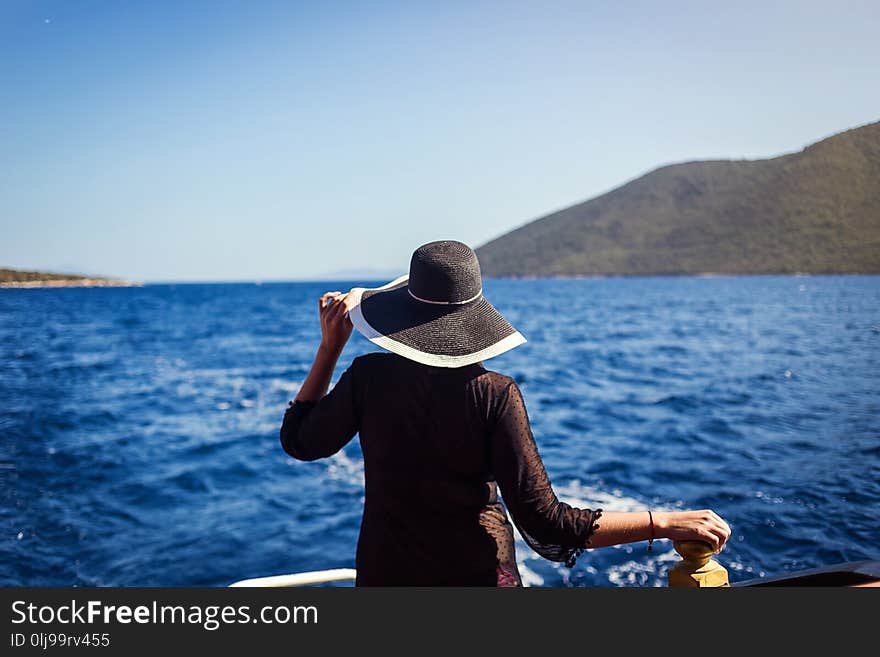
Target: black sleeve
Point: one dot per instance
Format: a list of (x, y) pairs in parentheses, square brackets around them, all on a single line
[(316, 429), (553, 529)]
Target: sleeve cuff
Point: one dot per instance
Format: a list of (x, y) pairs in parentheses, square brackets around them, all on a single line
[(574, 553)]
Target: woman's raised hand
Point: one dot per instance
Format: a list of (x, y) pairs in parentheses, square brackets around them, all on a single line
[(704, 525), (335, 324)]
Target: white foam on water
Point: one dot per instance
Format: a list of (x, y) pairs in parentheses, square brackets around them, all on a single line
[(528, 576), (743, 568), (269, 427), (583, 496), (285, 385), (344, 468), (632, 573)]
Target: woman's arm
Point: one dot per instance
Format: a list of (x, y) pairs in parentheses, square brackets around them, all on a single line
[(318, 424), (617, 528), (335, 330), (552, 528)]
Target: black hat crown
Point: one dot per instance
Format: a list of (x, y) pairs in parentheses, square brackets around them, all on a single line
[(445, 272)]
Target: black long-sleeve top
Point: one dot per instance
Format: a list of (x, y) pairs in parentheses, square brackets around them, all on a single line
[(437, 444)]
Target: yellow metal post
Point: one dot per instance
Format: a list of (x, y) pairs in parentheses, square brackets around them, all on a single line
[(697, 568)]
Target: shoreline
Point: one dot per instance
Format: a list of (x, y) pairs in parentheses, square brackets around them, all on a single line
[(573, 277), (79, 282)]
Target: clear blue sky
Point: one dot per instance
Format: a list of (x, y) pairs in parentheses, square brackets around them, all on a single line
[(262, 140)]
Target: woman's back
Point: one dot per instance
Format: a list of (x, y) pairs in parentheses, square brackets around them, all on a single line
[(435, 441), (430, 493)]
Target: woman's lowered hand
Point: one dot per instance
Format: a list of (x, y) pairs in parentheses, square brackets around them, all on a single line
[(704, 525)]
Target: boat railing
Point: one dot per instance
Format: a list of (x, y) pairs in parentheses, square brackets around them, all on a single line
[(311, 578), (697, 569)]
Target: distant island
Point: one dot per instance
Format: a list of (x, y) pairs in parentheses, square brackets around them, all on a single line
[(814, 211), (20, 278)]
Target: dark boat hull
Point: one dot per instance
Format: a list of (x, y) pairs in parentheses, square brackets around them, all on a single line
[(856, 573)]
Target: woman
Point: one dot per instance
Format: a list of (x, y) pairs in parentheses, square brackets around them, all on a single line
[(441, 434)]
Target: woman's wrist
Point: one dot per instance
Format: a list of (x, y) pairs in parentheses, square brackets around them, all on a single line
[(325, 361), (318, 380), (661, 524), (329, 351)]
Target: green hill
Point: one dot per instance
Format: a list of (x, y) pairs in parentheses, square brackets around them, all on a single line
[(21, 278), (815, 211)]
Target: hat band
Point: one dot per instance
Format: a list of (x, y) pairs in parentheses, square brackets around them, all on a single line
[(445, 303)]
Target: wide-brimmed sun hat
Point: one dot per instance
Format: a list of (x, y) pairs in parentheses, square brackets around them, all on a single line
[(437, 315)]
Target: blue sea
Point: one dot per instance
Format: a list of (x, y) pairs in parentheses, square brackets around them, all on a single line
[(139, 426)]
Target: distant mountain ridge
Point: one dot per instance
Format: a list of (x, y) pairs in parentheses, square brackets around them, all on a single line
[(816, 211)]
